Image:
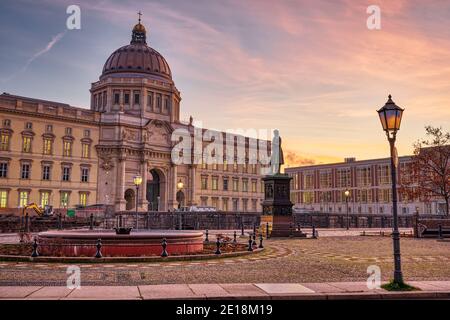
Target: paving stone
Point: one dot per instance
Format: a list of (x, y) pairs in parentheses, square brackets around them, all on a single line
[(283, 288), (209, 290), (50, 293), (17, 292), (105, 293), (427, 286), (243, 290), (352, 286), (323, 287), (168, 291)]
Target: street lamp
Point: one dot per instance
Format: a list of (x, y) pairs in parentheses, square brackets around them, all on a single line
[(347, 195), (137, 180), (391, 116)]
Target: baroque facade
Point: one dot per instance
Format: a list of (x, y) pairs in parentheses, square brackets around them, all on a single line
[(59, 155)]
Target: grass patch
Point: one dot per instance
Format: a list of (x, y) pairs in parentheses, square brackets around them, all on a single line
[(394, 286)]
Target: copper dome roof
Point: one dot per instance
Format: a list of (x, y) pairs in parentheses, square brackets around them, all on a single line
[(137, 57)]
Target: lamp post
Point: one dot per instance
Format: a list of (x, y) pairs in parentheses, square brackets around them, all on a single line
[(137, 180), (391, 116), (180, 185), (347, 195)]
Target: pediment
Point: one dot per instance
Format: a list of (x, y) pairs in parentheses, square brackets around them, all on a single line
[(157, 132)]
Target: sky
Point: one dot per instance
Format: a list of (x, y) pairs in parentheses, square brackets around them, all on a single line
[(312, 69)]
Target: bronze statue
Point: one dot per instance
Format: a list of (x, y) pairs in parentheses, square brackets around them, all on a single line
[(277, 158)]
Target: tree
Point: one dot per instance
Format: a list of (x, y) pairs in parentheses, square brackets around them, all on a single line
[(428, 175)]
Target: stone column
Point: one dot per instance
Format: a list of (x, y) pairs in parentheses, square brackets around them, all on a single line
[(192, 185), (143, 203), (173, 187), (120, 187)]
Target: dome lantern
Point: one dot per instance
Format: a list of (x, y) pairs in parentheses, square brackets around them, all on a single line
[(139, 34)]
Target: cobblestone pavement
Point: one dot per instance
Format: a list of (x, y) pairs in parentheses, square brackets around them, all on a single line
[(343, 258)]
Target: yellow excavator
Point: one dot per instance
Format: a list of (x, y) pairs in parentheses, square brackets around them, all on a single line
[(35, 207)]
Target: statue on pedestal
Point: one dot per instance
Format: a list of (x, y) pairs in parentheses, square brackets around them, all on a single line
[(277, 158)]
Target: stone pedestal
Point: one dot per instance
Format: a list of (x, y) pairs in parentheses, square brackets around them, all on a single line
[(278, 205)]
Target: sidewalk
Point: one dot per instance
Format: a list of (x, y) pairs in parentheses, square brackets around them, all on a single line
[(264, 291)]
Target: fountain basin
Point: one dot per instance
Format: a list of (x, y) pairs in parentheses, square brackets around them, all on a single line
[(82, 243)]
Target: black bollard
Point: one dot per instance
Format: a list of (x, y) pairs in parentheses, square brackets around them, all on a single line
[(267, 230), (218, 246), (98, 254), (290, 229), (35, 252), (254, 239), (250, 242), (440, 236), (261, 241), (234, 238), (164, 246), (314, 232), (91, 221), (206, 238)]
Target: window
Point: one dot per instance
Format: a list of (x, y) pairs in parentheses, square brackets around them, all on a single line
[(343, 178), (29, 125), (149, 100), (64, 199), (4, 142), (225, 165), (45, 196), (26, 144), (235, 166), (363, 176), (166, 104), (85, 150), (204, 201), (49, 128), (225, 204), (137, 97), (46, 172), (235, 184), (83, 198), (3, 169), (308, 197), (67, 151), (254, 169), (68, 131), (225, 184), (23, 198), (204, 183), (66, 174), (7, 123), (86, 133), (254, 186), (116, 98), (215, 183), (384, 174), (308, 181), (245, 205), (204, 165), (126, 98), (244, 185), (3, 199), (254, 205), (158, 103), (25, 174), (215, 202), (48, 146), (84, 174), (215, 166), (235, 204), (325, 179)]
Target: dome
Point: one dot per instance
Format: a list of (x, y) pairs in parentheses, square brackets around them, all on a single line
[(137, 57)]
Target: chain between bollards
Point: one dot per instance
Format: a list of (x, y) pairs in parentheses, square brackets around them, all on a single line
[(164, 246), (98, 254), (35, 252), (218, 246)]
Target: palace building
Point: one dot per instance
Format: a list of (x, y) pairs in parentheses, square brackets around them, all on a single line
[(321, 188), (55, 154)]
